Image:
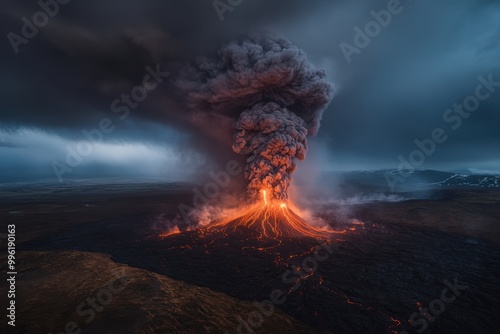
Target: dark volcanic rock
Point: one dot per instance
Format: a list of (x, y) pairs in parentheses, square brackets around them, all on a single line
[(129, 300), (377, 276)]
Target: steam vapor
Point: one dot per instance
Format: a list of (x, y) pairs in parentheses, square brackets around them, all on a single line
[(275, 98)]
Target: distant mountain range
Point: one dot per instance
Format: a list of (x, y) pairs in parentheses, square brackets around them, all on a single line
[(377, 180)]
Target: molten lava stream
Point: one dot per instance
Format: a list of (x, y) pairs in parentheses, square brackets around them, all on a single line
[(172, 231), (272, 219)]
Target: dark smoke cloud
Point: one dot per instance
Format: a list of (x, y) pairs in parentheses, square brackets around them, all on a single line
[(283, 97), (272, 137), (261, 67)]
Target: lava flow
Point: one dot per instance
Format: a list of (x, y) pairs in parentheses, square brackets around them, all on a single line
[(271, 219)]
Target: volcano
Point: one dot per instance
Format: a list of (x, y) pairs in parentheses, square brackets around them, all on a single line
[(268, 220)]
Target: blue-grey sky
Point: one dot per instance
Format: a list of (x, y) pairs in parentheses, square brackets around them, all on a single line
[(389, 93)]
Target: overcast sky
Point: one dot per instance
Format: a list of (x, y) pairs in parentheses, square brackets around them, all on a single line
[(63, 81)]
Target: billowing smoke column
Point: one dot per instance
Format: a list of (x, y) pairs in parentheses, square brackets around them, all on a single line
[(277, 97), (271, 136)]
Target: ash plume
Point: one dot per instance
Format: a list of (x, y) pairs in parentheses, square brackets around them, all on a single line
[(272, 137), (273, 96)]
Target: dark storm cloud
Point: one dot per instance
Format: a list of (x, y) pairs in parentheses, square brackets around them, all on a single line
[(92, 50), (397, 89), (394, 91)]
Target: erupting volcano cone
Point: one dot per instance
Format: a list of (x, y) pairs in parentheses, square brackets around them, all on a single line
[(269, 220)]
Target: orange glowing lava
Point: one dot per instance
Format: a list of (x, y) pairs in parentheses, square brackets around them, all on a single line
[(173, 230), (272, 219)]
